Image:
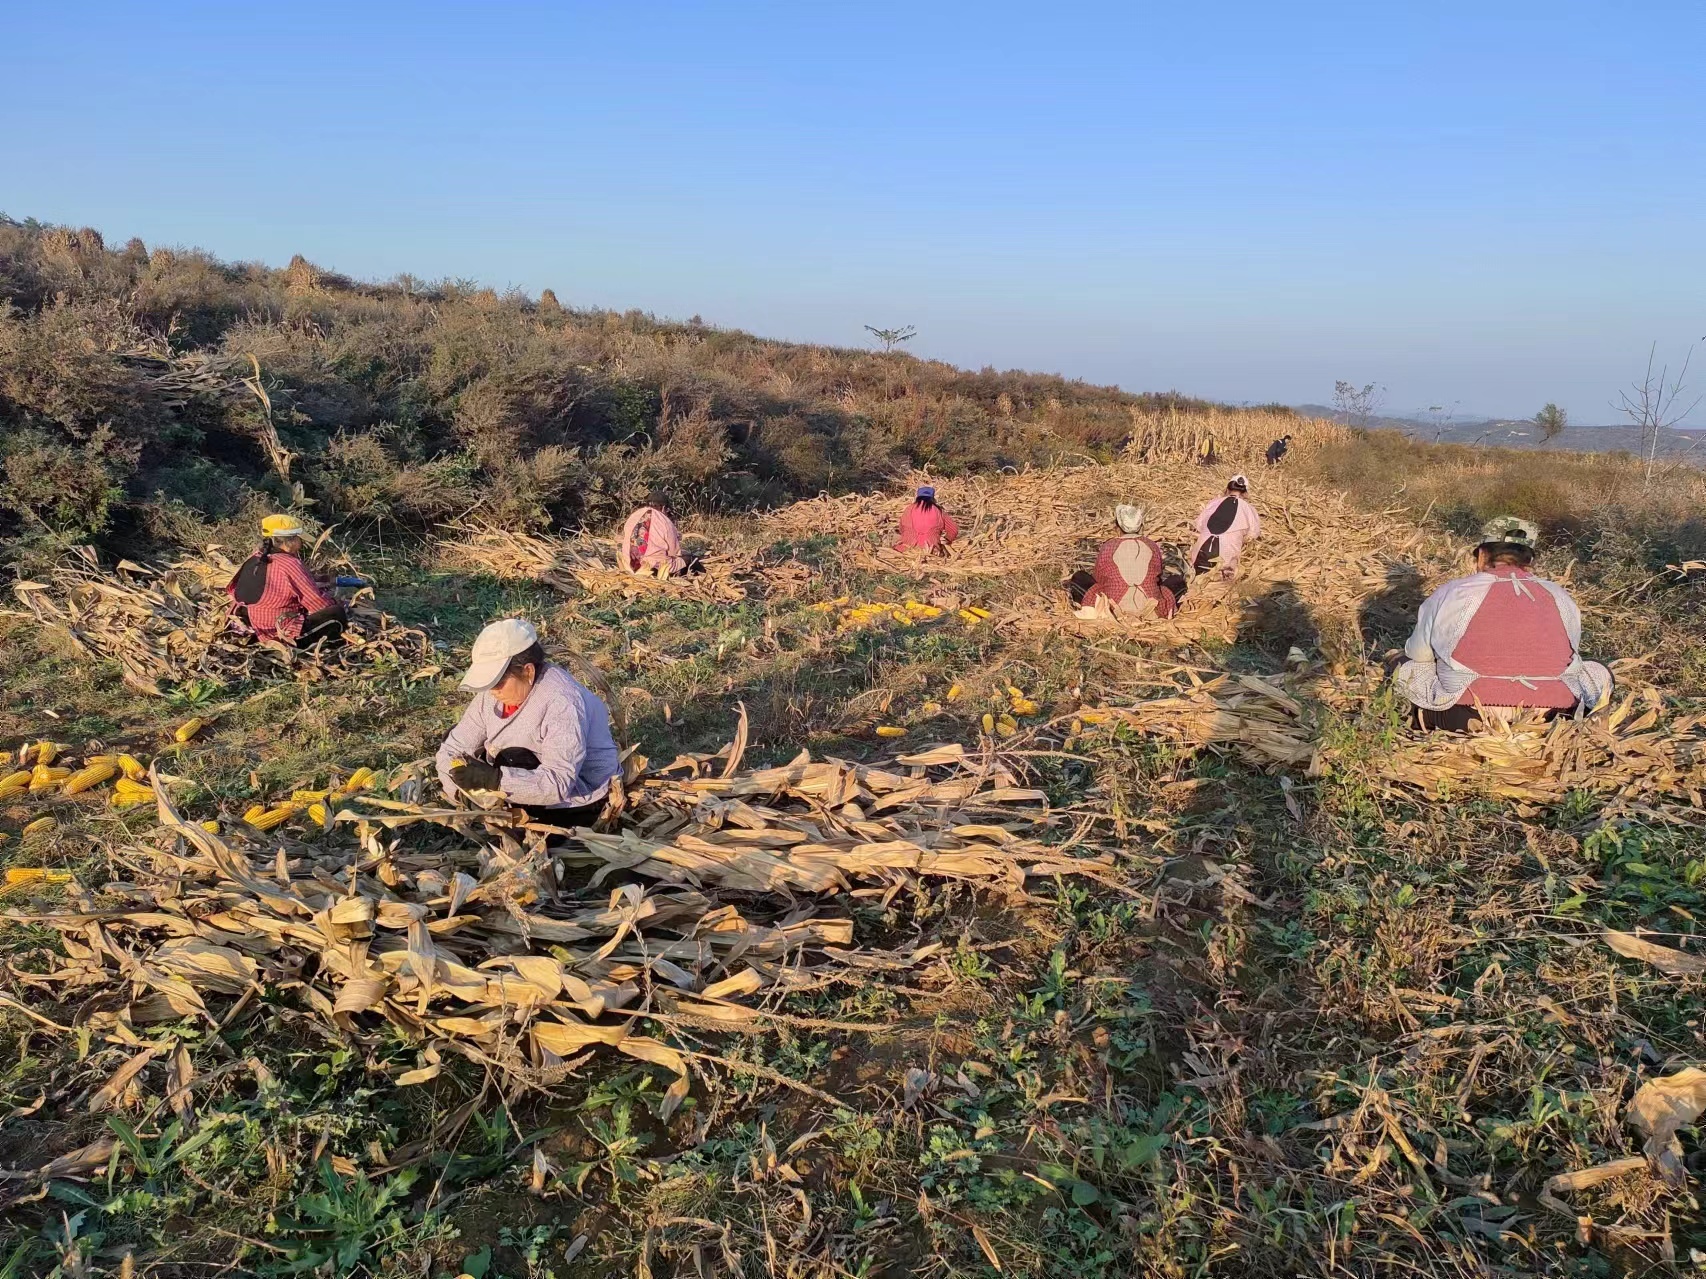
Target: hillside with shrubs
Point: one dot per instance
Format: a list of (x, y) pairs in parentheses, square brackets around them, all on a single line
[(153, 395)]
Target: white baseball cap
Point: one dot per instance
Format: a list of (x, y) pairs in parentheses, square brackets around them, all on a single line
[(493, 649)]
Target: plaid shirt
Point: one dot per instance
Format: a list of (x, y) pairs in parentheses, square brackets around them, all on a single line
[(291, 594)]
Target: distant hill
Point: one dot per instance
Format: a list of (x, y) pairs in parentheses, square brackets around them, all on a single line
[(1523, 434)]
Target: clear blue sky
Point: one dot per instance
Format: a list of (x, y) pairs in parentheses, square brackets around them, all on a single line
[(1489, 203)]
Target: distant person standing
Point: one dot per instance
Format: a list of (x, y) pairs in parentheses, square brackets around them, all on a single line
[(925, 526), (1223, 526), (1277, 449)]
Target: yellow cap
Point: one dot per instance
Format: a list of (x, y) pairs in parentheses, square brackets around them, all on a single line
[(281, 526)]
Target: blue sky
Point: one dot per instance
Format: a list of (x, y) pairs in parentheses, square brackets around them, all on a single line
[(1487, 204)]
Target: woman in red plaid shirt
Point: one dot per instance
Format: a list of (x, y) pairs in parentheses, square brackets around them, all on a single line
[(275, 595)]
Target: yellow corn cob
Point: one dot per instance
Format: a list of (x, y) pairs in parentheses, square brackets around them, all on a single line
[(46, 752), (890, 730), (212, 828), (132, 767), (954, 691), (21, 875), (317, 815), (40, 826), (89, 761), (1093, 717), (189, 728), (988, 722), (130, 799), (44, 778), (16, 780), (307, 796), (361, 779), (125, 786), (92, 775), (982, 614), (271, 817), (1006, 726), (1025, 706), (969, 618), (254, 811)]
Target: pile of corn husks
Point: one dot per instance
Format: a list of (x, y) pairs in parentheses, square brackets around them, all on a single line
[(172, 624), (725, 887)]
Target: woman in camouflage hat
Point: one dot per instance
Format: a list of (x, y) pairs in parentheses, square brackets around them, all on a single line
[(1500, 639)]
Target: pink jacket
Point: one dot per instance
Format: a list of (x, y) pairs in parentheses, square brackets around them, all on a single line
[(1246, 525), (925, 528), (649, 540)]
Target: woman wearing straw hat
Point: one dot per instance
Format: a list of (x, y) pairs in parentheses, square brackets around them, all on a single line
[(1126, 582), (275, 595), (925, 526), (1498, 641)]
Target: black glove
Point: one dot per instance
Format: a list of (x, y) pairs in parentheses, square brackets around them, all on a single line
[(476, 774)]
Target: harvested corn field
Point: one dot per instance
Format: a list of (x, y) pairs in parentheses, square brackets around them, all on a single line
[(174, 624), (932, 930)]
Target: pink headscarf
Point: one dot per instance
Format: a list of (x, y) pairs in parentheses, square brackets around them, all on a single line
[(650, 540)]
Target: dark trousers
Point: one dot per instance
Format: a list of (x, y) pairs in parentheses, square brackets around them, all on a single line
[(1078, 586), (1460, 719), (578, 817), (326, 624)]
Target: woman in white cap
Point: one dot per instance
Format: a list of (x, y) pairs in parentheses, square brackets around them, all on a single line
[(533, 732), (1127, 578), (1223, 526), (275, 595)]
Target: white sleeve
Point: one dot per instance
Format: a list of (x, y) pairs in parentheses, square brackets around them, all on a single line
[(1419, 647)]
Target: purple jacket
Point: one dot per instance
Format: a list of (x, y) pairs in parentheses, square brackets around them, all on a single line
[(563, 722)]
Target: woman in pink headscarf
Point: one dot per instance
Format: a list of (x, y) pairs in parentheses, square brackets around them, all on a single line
[(651, 543), (925, 526)]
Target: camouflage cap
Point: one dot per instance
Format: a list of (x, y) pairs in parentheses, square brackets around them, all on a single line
[(1508, 530)]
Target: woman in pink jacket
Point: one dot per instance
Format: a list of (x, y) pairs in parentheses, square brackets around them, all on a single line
[(924, 526), (651, 543), (1222, 528)]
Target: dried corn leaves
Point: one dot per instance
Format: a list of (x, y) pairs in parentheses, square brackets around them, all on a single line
[(451, 925), (172, 624)]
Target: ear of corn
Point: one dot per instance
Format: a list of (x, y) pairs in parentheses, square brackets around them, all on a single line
[(954, 691), (17, 779), (43, 778), (46, 752), (132, 767), (211, 827), (18, 876), (307, 796), (359, 780), (40, 826), (890, 730), (270, 817), (988, 722), (127, 794), (318, 815), (90, 776), (189, 728)]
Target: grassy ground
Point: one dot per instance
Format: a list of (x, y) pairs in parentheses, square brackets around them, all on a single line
[(1314, 1029)]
